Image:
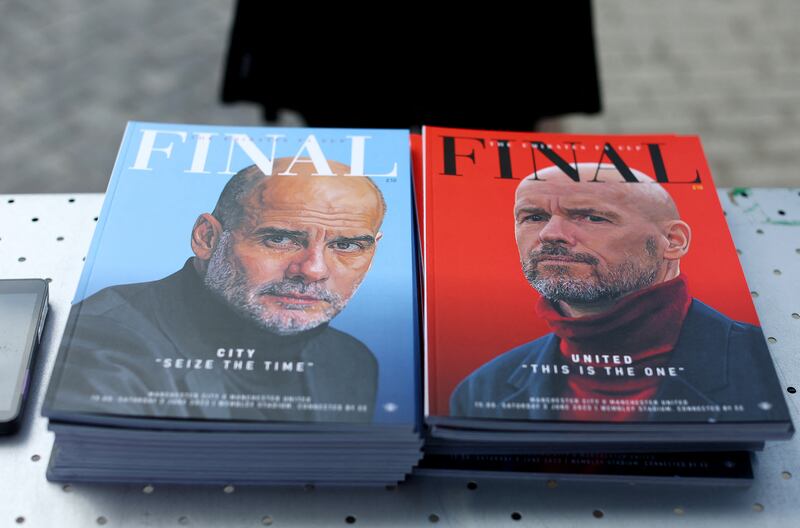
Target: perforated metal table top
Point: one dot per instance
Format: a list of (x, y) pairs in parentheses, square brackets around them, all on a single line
[(47, 236)]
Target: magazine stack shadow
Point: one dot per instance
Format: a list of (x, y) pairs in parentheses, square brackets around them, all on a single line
[(247, 313), (582, 293)]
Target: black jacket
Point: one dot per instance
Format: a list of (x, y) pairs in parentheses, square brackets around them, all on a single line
[(131, 349)]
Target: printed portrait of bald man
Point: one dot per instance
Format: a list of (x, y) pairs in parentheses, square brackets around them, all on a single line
[(247, 317), (605, 258)]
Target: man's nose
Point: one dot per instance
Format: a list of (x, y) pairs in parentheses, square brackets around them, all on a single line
[(557, 229), (309, 265)]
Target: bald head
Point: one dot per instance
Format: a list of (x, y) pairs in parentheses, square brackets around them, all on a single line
[(647, 197), (289, 249), (231, 206), (585, 244)]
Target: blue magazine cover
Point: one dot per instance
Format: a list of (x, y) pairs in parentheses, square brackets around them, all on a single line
[(248, 274)]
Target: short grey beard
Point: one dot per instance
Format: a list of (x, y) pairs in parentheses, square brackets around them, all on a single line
[(617, 282), (224, 279)]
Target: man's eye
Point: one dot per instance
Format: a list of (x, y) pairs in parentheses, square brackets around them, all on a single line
[(279, 241), (534, 218), (595, 219), (347, 247)]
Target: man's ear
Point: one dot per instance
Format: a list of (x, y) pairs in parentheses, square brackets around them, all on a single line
[(679, 237), (205, 235)]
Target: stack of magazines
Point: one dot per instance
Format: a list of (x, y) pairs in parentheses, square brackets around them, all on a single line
[(583, 294), (247, 313)]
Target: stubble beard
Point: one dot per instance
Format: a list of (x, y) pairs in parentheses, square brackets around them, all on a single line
[(225, 279), (599, 286)]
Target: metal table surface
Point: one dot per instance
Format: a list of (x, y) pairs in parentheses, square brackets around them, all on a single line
[(47, 236)]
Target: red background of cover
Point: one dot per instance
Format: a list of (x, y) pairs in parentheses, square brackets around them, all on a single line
[(479, 303)]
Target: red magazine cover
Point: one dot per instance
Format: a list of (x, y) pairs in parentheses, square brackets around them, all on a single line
[(585, 278)]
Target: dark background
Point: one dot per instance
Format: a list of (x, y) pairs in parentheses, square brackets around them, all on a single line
[(72, 72)]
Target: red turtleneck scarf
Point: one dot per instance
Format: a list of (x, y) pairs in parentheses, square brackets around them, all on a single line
[(644, 325)]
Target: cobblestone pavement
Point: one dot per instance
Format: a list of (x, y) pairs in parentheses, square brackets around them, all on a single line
[(72, 72), (728, 70)]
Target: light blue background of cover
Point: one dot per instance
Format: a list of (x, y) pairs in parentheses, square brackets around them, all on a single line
[(143, 234)]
